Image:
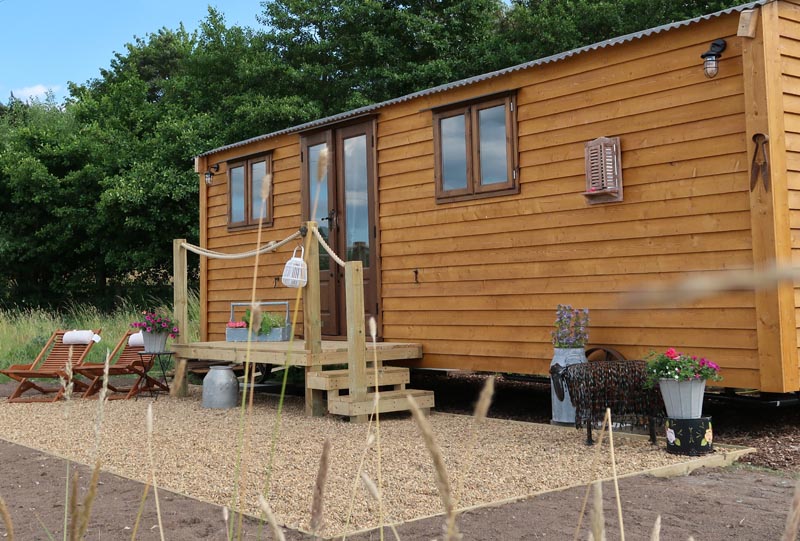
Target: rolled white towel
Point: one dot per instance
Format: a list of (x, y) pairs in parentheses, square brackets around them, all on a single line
[(136, 339), (80, 337)]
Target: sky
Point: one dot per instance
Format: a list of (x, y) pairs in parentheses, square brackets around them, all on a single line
[(46, 43)]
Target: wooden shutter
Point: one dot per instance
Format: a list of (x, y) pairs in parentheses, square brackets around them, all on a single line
[(603, 170)]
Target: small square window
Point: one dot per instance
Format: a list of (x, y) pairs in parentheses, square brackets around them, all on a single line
[(245, 179), (603, 171), (475, 149)]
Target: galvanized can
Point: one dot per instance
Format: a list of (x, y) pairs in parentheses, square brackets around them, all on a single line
[(220, 388)]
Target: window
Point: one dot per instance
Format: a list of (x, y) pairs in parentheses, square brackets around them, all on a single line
[(603, 171), (475, 149), (245, 178)]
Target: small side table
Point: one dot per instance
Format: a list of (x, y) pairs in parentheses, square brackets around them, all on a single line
[(161, 357)]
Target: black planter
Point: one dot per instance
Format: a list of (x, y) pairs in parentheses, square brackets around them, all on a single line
[(692, 437)]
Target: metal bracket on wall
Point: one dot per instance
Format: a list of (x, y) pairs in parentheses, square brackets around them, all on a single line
[(760, 163)]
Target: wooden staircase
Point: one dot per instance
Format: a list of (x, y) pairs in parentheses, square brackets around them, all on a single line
[(333, 382)]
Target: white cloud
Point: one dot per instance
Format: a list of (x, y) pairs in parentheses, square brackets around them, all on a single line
[(35, 91)]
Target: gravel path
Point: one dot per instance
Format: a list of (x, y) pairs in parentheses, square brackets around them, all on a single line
[(196, 453)]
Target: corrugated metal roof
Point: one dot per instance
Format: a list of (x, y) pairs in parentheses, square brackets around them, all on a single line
[(483, 77)]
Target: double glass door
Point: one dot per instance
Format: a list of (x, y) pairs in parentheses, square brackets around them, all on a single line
[(340, 196)]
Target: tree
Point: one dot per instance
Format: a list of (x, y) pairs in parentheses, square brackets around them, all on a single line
[(342, 54), (538, 28)]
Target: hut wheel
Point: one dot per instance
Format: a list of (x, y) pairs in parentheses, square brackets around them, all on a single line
[(603, 353), (264, 370)]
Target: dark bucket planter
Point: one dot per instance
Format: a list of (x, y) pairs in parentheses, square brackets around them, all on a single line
[(691, 437)]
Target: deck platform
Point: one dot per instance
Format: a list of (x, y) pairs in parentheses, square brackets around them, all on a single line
[(291, 353), (319, 382)]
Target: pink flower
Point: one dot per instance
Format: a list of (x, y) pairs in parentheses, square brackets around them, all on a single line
[(672, 354)]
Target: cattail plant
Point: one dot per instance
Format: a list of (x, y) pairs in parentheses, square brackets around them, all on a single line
[(277, 532), (793, 518), (598, 525), (6, 517), (319, 488), (442, 479), (373, 491), (655, 535), (149, 426)]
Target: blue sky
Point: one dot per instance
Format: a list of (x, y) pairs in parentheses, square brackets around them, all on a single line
[(45, 43)]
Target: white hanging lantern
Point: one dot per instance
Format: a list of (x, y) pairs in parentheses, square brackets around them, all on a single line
[(295, 272)]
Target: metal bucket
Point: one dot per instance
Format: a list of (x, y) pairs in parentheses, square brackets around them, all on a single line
[(220, 388)]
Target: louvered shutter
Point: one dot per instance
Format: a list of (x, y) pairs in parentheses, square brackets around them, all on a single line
[(603, 170)]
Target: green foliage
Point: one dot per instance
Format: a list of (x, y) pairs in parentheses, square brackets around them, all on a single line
[(269, 321)]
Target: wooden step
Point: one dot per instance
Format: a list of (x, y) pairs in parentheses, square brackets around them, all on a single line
[(389, 401), (334, 380)]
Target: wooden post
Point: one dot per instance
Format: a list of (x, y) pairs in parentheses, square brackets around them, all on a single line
[(180, 307), (356, 337), (769, 206), (312, 321)]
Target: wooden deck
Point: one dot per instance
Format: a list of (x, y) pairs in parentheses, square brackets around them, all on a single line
[(292, 353)]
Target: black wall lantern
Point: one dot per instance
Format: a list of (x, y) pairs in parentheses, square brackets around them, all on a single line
[(711, 58), (209, 175)]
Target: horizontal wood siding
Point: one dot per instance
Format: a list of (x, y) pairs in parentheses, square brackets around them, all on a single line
[(489, 273), (790, 63), (231, 280)]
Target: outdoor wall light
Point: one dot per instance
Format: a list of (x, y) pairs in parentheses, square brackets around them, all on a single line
[(711, 58), (210, 175)]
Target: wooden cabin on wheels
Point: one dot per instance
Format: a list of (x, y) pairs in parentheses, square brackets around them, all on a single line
[(478, 206)]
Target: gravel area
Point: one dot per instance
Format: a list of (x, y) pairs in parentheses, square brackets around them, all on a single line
[(196, 453)]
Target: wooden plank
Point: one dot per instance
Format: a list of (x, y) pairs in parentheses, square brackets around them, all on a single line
[(748, 20), (733, 220), (331, 380), (667, 318), (596, 300), (682, 78), (312, 316), (562, 132), (776, 325), (638, 268), (639, 106), (180, 306), (356, 334), (389, 401), (529, 249)]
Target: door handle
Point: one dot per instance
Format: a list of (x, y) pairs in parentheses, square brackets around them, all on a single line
[(330, 218)]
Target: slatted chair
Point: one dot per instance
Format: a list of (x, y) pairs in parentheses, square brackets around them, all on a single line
[(124, 360), (63, 347)]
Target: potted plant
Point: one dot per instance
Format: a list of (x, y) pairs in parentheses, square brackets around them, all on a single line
[(273, 327), (682, 381), (155, 329), (569, 339)]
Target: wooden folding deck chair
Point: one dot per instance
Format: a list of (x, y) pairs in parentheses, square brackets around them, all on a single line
[(51, 364), (126, 359)]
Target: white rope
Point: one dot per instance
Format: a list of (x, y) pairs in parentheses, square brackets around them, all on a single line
[(269, 247), (328, 248)]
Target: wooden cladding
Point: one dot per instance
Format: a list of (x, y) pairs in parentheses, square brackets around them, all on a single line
[(603, 170)]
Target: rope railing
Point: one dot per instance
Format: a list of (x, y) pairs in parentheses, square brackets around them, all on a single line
[(328, 248), (269, 247)]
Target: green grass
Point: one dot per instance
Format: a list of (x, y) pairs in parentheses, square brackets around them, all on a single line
[(24, 332)]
